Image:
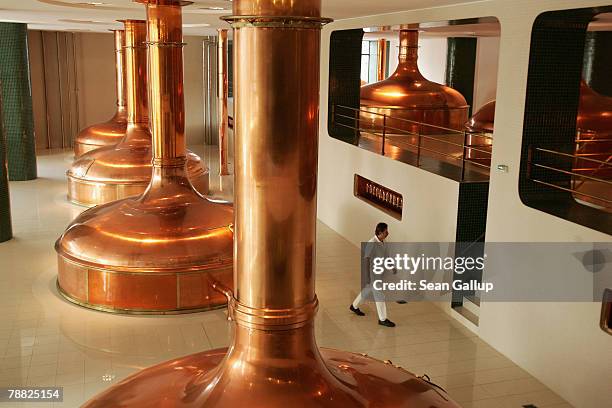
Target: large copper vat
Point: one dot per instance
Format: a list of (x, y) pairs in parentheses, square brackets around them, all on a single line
[(113, 130), (407, 98), (593, 139), (162, 251), (479, 138), (274, 361), (124, 169), (483, 120)]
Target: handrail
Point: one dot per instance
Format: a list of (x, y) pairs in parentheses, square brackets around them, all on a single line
[(406, 120), (388, 134), (578, 176), (573, 156), (570, 190)]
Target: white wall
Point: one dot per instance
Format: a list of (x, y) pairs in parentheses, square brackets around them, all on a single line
[(485, 77), (432, 57), (560, 344), (96, 79), (430, 201), (194, 90)]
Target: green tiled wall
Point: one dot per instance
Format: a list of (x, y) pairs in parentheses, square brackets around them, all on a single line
[(6, 230), (17, 101), (461, 66)]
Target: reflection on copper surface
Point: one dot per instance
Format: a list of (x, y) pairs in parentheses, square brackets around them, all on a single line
[(162, 251), (124, 169), (274, 360), (223, 92), (406, 94), (112, 131)]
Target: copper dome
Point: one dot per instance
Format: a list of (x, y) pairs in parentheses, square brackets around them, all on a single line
[(593, 127), (406, 94), (113, 130), (124, 169), (483, 120), (594, 114)]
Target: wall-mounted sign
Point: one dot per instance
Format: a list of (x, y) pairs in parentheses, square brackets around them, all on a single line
[(379, 196)]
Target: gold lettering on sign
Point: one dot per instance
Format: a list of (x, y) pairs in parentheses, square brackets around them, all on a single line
[(379, 196)]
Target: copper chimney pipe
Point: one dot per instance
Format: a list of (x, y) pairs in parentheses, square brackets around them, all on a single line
[(274, 360), (381, 63), (223, 92), (124, 169), (165, 250), (110, 132)]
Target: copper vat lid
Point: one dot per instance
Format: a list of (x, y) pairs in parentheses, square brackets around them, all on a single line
[(124, 169), (406, 87), (594, 112), (483, 120), (113, 130), (407, 98), (162, 251), (273, 360)]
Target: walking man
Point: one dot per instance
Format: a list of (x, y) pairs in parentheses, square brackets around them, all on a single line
[(375, 248)]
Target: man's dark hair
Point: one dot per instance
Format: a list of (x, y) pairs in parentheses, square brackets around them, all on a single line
[(380, 228)]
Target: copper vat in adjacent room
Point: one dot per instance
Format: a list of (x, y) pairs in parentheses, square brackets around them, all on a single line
[(483, 120), (407, 95), (479, 138), (122, 170), (162, 251), (593, 149), (594, 126), (112, 131), (274, 361), (593, 139)]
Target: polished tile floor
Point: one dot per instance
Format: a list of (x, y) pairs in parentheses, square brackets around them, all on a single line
[(46, 341)]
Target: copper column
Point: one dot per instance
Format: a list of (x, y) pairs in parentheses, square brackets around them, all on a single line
[(110, 132), (273, 360), (381, 63), (223, 92)]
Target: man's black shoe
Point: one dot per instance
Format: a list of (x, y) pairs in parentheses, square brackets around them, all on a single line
[(356, 311), (402, 302), (386, 322)]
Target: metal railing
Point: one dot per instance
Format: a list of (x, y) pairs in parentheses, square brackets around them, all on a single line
[(583, 169), (419, 139)]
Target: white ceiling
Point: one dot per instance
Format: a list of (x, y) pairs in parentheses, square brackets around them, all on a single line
[(100, 15)]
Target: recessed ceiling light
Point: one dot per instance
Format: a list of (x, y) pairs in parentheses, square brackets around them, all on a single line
[(94, 3), (196, 25)]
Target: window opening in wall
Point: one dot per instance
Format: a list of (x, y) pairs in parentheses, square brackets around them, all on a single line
[(566, 162)]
